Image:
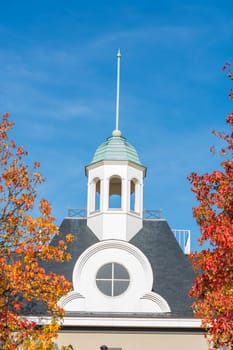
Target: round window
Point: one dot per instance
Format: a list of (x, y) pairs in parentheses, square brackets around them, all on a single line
[(112, 279)]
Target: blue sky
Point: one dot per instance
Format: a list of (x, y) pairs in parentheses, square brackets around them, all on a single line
[(58, 81)]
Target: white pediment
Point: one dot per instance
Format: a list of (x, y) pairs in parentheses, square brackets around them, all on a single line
[(113, 276)]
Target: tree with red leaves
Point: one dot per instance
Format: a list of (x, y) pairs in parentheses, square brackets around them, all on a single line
[(213, 286), (24, 244)]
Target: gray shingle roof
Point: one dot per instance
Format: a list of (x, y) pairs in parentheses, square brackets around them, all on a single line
[(173, 274), (84, 238)]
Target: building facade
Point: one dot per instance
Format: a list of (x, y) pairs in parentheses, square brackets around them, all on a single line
[(130, 277)]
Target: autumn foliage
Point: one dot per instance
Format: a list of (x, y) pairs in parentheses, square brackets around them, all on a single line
[(213, 287), (24, 247)]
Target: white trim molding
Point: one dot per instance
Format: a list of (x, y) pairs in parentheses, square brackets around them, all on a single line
[(111, 321)]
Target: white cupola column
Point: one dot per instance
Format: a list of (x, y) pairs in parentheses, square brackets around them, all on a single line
[(124, 199), (105, 194), (101, 196)]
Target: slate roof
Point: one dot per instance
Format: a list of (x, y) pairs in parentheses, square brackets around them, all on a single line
[(84, 238), (173, 274)]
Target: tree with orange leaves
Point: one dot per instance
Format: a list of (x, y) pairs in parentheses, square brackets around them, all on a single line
[(213, 286), (24, 247)]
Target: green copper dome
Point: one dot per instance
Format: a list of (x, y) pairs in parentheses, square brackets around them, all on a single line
[(116, 148)]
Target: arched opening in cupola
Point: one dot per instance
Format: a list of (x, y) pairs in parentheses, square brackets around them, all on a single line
[(134, 195), (95, 195), (115, 192)]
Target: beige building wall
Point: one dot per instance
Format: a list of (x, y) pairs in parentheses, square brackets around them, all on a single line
[(132, 340)]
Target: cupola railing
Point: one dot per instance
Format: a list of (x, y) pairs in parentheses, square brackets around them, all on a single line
[(148, 214), (183, 237)]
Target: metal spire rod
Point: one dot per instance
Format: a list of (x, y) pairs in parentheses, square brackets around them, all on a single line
[(118, 89)]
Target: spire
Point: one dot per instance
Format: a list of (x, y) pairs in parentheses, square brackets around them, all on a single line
[(117, 132)]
